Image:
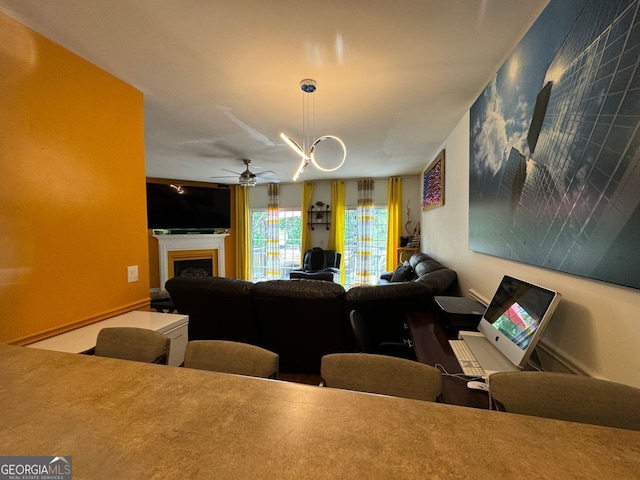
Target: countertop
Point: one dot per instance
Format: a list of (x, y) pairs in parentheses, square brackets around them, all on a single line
[(126, 420)]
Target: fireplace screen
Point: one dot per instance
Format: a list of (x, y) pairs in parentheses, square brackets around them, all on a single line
[(201, 267)]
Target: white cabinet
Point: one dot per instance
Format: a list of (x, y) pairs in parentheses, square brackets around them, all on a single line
[(84, 339), (179, 337)]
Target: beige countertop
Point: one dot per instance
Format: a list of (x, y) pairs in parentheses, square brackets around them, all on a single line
[(128, 420)]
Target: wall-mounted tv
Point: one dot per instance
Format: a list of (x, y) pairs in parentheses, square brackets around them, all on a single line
[(183, 207)]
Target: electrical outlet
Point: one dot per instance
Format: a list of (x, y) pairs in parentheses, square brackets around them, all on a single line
[(132, 273)]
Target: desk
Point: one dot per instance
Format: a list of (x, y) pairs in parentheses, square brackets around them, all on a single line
[(119, 419), (431, 344), (83, 339)]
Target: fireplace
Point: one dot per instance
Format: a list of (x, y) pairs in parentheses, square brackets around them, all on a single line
[(188, 251), (200, 267)]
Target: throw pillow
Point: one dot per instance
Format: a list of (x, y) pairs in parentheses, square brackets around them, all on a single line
[(403, 273)]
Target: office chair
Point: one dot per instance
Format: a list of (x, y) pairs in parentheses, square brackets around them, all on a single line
[(131, 343), (567, 397), (381, 374), (231, 357), (365, 345)]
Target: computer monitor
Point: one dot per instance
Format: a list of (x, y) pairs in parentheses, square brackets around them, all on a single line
[(516, 317)]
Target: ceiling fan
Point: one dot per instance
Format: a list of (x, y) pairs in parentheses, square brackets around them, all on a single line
[(249, 179)]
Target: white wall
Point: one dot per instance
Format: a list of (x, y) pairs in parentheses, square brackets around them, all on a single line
[(291, 197), (596, 326)]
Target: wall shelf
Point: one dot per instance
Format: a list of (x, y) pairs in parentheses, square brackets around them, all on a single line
[(319, 215)]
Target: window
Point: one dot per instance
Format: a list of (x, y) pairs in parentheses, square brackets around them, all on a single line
[(379, 248), (290, 243)]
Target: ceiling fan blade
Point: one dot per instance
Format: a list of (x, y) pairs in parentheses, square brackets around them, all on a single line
[(267, 180), (267, 173), (247, 177)]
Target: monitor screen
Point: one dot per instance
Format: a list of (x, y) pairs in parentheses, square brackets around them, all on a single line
[(516, 317)]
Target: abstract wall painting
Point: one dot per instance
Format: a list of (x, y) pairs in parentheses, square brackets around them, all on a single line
[(433, 184)]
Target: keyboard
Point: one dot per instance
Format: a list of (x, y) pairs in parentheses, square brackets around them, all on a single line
[(466, 359)]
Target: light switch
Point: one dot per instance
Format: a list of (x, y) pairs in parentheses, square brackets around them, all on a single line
[(132, 273)]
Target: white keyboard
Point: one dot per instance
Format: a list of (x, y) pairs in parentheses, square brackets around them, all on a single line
[(466, 359)]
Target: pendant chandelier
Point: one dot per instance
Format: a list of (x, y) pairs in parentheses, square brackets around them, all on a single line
[(307, 151)]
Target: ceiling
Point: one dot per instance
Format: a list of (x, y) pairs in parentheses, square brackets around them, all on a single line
[(221, 77)]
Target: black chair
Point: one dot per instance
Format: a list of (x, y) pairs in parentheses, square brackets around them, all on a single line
[(365, 345), (319, 264)]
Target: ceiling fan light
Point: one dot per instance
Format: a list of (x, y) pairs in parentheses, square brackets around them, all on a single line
[(247, 182), (247, 178)]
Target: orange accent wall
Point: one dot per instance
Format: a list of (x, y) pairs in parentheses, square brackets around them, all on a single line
[(72, 189)]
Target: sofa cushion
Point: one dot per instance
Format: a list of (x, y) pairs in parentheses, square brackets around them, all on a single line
[(438, 281), (301, 320), (218, 308), (417, 258), (427, 266)]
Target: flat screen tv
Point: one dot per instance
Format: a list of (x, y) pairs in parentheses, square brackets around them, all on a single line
[(516, 317), (182, 207)]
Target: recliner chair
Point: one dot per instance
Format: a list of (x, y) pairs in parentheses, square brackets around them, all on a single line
[(319, 264)]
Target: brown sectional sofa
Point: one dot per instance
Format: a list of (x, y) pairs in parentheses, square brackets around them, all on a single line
[(301, 320)]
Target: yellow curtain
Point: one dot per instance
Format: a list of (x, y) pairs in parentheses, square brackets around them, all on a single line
[(336, 231), (394, 226), (243, 237), (307, 194)]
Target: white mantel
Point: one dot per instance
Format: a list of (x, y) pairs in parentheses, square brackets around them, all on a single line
[(177, 243)]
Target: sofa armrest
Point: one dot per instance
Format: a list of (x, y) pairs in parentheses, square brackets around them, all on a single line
[(438, 281), (386, 276), (331, 269)]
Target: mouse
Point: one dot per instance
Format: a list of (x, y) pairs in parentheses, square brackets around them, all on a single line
[(475, 385)]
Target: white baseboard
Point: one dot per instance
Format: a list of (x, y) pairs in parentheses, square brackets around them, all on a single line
[(552, 361)]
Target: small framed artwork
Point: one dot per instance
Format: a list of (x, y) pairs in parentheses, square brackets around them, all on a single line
[(433, 184)]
